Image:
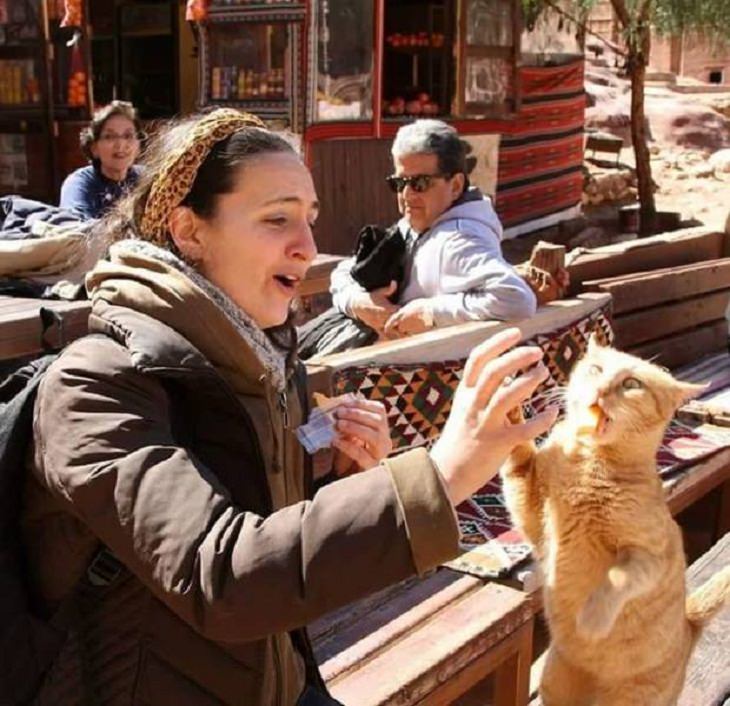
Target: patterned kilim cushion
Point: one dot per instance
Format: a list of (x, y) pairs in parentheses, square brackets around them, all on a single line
[(418, 399), (687, 443)]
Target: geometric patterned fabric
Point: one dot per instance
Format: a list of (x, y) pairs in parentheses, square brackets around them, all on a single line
[(417, 399)]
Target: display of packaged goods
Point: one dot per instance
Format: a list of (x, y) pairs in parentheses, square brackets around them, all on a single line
[(237, 83), (18, 82)]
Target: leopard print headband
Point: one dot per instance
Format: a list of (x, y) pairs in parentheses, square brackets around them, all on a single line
[(178, 171)]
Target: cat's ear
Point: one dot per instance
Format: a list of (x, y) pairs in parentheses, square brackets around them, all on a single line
[(594, 342), (686, 391)]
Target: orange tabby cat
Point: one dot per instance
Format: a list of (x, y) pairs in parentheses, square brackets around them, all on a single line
[(591, 503)]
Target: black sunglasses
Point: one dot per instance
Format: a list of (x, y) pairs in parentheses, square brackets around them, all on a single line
[(417, 182)]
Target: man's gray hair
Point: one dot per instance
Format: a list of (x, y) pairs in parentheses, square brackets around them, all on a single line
[(432, 137)]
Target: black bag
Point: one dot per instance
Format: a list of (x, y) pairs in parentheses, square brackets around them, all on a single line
[(379, 258), (333, 332), (29, 642)]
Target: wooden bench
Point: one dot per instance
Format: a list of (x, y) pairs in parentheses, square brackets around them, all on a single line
[(429, 641), (604, 142), (380, 656), (708, 674), (23, 330)]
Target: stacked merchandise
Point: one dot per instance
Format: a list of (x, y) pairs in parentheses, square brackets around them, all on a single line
[(18, 82), (234, 83)]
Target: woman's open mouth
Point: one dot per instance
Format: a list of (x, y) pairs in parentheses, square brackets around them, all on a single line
[(289, 283)]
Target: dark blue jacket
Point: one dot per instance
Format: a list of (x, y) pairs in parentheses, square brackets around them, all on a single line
[(89, 193)]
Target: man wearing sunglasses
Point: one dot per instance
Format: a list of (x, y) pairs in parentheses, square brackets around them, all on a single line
[(454, 268)]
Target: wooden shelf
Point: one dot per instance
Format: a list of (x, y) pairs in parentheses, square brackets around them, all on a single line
[(21, 108), (415, 49)]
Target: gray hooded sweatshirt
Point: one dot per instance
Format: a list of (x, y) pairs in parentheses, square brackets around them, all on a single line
[(457, 265)]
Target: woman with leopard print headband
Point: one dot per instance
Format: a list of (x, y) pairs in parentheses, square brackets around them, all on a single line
[(168, 437)]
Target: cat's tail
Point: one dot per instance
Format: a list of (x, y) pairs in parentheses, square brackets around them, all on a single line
[(708, 599)]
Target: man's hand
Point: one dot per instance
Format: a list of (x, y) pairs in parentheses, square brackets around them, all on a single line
[(411, 318), (374, 308), (363, 436), (478, 435)]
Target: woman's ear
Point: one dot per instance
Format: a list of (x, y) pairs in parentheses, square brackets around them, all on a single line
[(184, 228)]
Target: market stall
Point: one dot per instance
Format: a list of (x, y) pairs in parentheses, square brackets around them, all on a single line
[(345, 75)]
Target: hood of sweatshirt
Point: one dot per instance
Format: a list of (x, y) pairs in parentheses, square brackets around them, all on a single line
[(473, 206), (148, 279)]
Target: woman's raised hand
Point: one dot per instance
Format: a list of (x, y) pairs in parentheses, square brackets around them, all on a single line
[(478, 436), (363, 435)]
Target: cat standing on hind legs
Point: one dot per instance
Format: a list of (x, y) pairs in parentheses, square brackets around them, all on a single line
[(591, 503)]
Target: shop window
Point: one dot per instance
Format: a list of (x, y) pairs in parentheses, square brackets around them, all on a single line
[(418, 61), (248, 61), (488, 54), (344, 30), (450, 57), (134, 54)]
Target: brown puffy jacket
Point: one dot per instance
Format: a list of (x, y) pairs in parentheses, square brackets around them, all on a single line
[(160, 435)]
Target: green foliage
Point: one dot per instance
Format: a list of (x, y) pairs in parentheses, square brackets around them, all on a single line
[(573, 10), (667, 16), (672, 16)]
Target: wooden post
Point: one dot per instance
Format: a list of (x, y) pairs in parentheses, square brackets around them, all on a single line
[(512, 677), (548, 256)]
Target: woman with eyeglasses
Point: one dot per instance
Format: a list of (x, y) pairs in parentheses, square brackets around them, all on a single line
[(112, 144), (454, 268)]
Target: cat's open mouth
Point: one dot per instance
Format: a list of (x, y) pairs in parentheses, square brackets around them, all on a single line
[(601, 419), (594, 420)]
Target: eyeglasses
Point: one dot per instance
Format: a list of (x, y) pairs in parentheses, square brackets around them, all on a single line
[(417, 182), (113, 137)]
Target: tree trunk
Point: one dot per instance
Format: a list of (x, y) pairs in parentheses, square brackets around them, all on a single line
[(638, 59)]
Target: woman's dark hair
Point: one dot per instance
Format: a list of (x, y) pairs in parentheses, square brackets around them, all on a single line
[(91, 133), (216, 176)]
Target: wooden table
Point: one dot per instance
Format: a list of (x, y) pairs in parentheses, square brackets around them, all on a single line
[(23, 331)]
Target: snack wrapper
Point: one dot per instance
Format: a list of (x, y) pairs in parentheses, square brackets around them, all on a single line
[(319, 432)]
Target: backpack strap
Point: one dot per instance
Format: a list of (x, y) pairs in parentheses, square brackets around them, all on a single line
[(300, 380), (100, 575)]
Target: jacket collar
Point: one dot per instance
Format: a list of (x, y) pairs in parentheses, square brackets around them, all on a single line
[(138, 277)]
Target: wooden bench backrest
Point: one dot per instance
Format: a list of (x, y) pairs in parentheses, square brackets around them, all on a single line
[(681, 247), (673, 315)]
